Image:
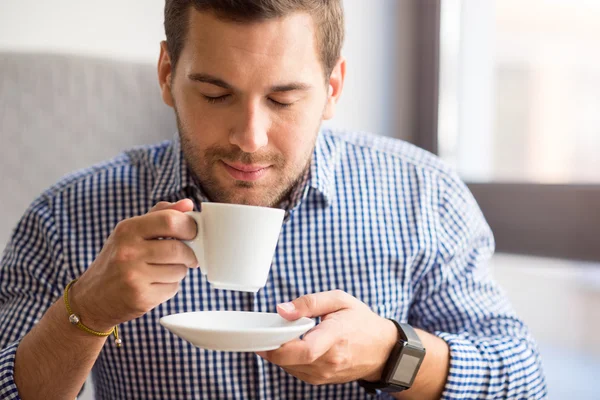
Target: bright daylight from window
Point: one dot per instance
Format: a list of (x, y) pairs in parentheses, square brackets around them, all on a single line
[(520, 90)]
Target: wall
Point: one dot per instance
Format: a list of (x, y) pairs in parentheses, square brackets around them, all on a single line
[(129, 30), (560, 302)]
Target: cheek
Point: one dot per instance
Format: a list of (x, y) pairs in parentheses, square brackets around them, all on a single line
[(294, 142), (294, 133), (200, 123)]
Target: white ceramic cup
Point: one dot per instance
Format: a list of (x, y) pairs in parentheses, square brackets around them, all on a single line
[(235, 244)]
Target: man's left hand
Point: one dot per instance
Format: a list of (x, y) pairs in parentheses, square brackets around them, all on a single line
[(352, 342)]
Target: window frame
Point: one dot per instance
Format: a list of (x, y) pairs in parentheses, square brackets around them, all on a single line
[(526, 218)]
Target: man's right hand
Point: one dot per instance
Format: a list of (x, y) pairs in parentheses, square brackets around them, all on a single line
[(135, 271)]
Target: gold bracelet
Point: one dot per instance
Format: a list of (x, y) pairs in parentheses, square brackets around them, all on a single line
[(75, 320)]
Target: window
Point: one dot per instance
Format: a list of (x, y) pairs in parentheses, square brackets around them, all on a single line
[(519, 94), (519, 118), (520, 90)]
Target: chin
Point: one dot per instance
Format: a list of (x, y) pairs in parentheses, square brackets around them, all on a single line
[(265, 193), (246, 196), (250, 201)]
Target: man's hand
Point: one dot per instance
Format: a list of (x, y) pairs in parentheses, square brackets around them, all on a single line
[(135, 271), (351, 342)]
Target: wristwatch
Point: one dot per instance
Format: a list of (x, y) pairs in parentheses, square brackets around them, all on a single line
[(403, 364)]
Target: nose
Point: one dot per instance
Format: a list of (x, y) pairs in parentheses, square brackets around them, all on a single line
[(250, 132)]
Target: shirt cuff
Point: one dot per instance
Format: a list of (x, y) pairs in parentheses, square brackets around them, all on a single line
[(479, 369), (8, 388)]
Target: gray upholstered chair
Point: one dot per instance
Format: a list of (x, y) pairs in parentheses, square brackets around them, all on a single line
[(59, 113)]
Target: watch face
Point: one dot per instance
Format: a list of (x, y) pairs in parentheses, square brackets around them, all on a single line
[(407, 366)]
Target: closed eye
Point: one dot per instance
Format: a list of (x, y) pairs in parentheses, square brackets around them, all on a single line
[(278, 104), (216, 99), (220, 99)]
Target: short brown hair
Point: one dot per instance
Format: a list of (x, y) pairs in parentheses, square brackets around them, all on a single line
[(328, 17)]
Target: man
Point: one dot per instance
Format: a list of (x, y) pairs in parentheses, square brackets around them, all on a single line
[(376, 231)]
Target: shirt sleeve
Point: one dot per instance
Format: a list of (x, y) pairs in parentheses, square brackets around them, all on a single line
[(492, 354), (28, 274)]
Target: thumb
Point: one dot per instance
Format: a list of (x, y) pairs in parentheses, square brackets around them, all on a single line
[(183, 205), (315, 305)]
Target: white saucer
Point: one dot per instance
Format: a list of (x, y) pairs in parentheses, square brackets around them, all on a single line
[(235, 330)]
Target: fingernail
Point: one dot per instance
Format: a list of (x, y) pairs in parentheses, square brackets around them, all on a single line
[(287, 307)]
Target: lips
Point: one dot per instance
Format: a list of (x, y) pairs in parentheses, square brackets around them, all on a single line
[(246, 172)]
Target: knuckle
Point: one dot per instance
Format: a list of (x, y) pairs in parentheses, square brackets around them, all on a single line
[(123, 228), (125, 254), (160, 206), (309, 301), (343, 296), (343, 342), (129, 279), (338, 360), (310, 356), (170, 221), (326, 375)]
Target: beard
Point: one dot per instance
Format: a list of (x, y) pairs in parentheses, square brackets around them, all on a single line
[(283, 176)]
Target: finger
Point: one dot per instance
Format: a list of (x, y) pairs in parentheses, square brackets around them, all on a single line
[(315, 305), (165, 291), (165, 273), (322, 338), (285, 356), (162, 224), (315, 344), (300, 374), (161, 205), (183, 205), (303, 352), (169, 252)]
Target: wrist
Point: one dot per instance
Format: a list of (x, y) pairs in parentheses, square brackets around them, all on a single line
[(389, 335), (86, 313)]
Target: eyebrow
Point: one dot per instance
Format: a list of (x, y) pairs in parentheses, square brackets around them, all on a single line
[(213, 80)]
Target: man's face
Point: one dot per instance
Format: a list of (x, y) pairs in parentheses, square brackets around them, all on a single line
[(249, 100)]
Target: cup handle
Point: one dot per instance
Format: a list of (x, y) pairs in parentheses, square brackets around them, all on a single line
[(197, 244)]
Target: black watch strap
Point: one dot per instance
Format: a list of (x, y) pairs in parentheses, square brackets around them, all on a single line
[(408, 337), (373, 387)]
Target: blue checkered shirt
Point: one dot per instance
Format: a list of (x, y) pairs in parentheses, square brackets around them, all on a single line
[(375, 217)]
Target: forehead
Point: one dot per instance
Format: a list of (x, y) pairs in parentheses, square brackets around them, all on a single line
[(277, 49)]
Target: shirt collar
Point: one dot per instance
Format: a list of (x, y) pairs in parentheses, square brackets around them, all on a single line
[(174, 178), (319, 177), (322, 168)]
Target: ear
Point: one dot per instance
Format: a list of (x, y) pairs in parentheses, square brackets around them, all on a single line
[(336, 84), (164, 74)]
